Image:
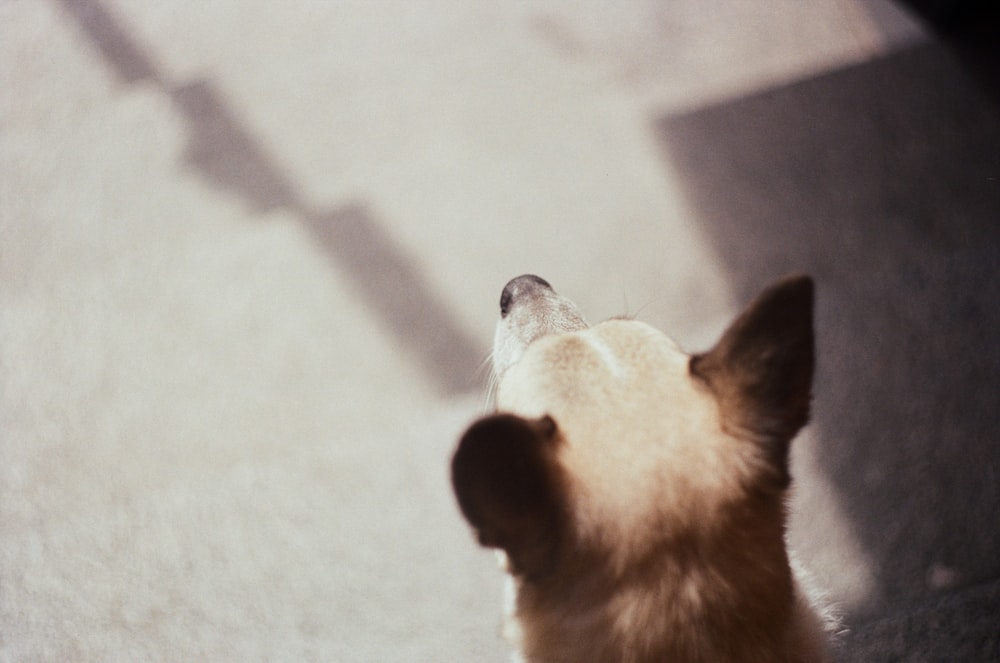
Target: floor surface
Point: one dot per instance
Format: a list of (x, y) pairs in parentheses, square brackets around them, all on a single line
[(250, 261)]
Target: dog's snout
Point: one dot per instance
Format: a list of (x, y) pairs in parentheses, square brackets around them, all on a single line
[(519, 287), (530, 309)]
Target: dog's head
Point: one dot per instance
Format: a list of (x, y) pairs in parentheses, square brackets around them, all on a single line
[(628, 480)]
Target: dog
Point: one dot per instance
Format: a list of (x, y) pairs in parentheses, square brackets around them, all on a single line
[(638, 493)]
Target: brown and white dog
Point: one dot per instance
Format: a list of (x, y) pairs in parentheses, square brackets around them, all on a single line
[(637, 492)]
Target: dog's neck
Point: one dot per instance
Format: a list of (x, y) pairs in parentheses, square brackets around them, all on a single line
[(726, 599)]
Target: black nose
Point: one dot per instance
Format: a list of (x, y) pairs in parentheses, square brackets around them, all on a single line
[(519, 287)]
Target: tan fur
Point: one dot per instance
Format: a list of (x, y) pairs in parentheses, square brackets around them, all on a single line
[(661, 481)]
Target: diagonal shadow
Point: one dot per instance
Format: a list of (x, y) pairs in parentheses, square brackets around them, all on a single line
[(123, 56), (223, 151), (386, 279), (226, 154), (883, 180)]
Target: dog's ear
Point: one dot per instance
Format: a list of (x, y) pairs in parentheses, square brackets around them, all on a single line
[(761, 370), (511, 489)]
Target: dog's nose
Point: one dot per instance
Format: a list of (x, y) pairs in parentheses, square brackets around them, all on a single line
[(519, 287)]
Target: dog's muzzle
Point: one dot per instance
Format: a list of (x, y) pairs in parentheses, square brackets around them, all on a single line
[(530, 309)]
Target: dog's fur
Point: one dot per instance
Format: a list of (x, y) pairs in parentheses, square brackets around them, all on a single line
[(638, 492)]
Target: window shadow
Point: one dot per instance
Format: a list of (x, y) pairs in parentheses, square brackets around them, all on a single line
[(226, 154), (883, 181)]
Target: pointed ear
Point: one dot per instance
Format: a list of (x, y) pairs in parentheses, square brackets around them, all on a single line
[(510, 488), (761, 369)]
